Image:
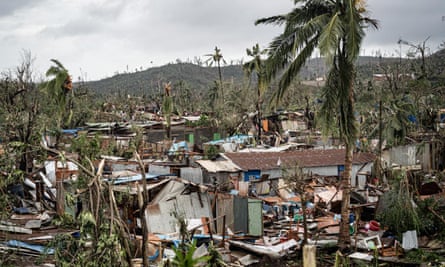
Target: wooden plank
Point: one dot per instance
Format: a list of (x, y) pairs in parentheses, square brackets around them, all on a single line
[(15, 229), (309, 252)]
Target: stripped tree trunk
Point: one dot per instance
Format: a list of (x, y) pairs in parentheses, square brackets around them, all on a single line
[(344, 239)]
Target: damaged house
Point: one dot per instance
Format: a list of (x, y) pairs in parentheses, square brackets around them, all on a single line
[(252, 166)]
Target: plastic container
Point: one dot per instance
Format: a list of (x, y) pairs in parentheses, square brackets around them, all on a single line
[(374, 225)]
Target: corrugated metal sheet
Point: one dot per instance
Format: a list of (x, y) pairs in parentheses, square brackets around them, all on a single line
[(157, 169), (133, 178), (403, 155), (192, 174), (173, 197), (240, 212), (172, 189), (218, 166), (194, 206), (159, 218), (132, 188), (224, 206)]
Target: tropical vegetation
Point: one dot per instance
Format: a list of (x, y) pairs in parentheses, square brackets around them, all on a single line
[(337, 29)]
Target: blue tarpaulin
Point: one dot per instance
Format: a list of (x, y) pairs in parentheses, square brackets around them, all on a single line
[(177, 147), (71, 131), (237, 139)]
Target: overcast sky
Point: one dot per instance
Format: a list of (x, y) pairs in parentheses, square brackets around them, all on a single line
[(96, 38)]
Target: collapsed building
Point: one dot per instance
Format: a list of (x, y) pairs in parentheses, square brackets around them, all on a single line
[(240, 199)]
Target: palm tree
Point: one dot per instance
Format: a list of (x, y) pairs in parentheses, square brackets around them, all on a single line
[(257, 65), (57, 90), (336, 28), (217, 58)]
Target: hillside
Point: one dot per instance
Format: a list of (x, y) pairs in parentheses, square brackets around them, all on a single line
[(197, 77), (152, 80), (202, 78)]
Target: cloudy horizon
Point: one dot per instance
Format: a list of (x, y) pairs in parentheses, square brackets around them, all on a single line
[(95, 39)]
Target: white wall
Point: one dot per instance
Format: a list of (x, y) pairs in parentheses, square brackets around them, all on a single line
[(330, 171)]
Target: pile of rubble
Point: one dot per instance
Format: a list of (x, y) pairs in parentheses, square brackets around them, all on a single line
[(266, 220)]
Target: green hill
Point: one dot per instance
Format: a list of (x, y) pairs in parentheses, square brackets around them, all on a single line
[(151, 80), (197, 77)]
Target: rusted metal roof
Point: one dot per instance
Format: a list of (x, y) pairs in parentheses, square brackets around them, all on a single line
[(305, 158)]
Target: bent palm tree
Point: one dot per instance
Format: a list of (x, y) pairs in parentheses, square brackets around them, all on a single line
[(336, 28), (57, 90)]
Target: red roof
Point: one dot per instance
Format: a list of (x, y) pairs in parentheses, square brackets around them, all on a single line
[(304, 158)]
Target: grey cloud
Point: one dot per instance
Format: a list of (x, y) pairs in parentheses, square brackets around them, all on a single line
[(161, 30), (75, 27), (111, 9), (8, 7), (232, 15), (208, 23), (91, 18), (410, 20)]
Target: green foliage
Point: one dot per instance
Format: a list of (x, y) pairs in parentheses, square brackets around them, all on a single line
[(203, 121), (92, 248), (184, 256), (399, 212), (86, 147), (184, 101), (138, 140), (431, 224), (341, 260), (57, 93), (427, 258), (210, 151), (84, 105), (64, 221), (7, 260), (182, 224), (185, 250), (10, 175), (21, 116), (147, 82), (215, 258)]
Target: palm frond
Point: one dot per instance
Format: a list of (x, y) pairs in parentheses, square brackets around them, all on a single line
[(58, 64), (347, 121), (368, 22), (277, 20), (292, 70), (354, 33), (330, 37), (329, 106)]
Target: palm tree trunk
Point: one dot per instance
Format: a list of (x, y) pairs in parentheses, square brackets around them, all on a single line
[(344, 239), (379, 171), (260, 124), (220, 82)]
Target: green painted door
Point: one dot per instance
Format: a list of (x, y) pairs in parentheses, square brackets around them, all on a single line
[(255, 217)]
